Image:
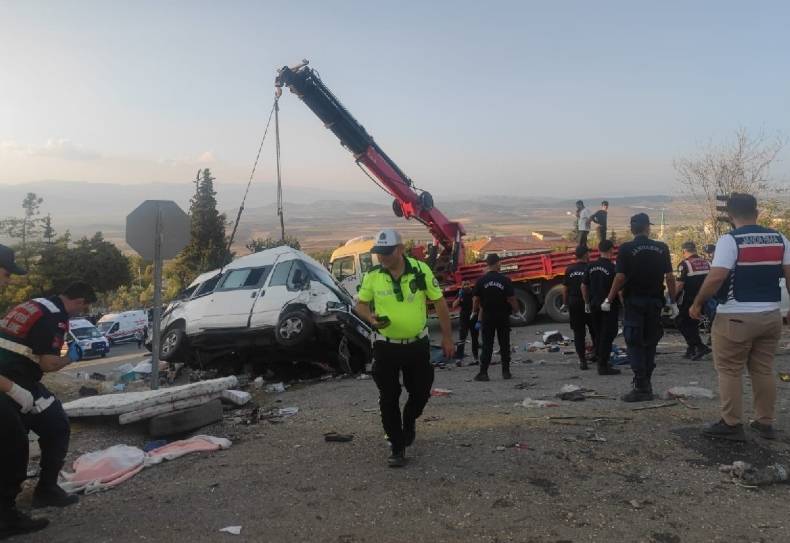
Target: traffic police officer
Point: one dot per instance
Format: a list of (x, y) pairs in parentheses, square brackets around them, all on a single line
[(31, 337), (643, 265), (573, 301), (747, 266), (399, 289), (596, 284), (692, 271), (493, 303)]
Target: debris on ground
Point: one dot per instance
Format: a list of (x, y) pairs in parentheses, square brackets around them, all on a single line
[(529, 402), (339, 438), (235, 397), (689, 393), (784, 377), (96, 376), (107, 468), (654, 406), (278, 415), (234, 530), (363, 377), (534, 346), (440, 392), (88, 391), (745, 474), (553, 336), (258, 382), (275, 388)]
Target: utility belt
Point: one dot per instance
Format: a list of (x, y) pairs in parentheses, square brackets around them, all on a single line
[(18, 348), (379, 337)]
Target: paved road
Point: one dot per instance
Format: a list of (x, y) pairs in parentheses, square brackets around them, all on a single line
[(119, 354)]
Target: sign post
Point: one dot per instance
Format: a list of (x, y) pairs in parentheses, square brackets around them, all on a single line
[(157, 230)]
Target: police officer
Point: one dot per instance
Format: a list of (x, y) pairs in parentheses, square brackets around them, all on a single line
[(31, 336), (596, 284), (747, 266), (573, 301), (399, 289), (643, 265), (467, 323), (692, 270), (494, 301)]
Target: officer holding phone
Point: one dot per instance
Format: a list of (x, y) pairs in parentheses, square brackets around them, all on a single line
[(31, 337), (400, 288)]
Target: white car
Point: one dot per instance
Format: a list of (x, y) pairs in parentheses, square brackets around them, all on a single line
[(279, 302)]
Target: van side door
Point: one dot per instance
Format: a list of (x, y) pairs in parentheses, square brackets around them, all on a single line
[(234, 297)]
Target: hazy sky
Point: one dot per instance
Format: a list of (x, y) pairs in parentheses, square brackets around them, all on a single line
[(566, 98)]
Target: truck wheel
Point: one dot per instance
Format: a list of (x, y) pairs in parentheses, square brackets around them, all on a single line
[(171, 342), (294, 327), (528, 308), (553, 303)]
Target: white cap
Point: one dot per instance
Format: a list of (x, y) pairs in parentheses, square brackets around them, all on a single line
[(386, 241)]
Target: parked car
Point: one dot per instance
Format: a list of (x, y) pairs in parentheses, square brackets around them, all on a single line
[(88, 337), (278, 304), (125, 326)]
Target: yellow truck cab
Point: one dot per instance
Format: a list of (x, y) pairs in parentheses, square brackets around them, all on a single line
[(350, 262)]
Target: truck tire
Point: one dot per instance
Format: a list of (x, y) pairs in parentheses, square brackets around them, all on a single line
[(171, 342), (294, 327), (553, 303), (528, 308)]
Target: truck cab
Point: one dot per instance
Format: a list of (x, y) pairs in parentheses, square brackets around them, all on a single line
[(351, 261)]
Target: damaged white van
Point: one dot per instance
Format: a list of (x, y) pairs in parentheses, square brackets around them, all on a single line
[(276, 305)]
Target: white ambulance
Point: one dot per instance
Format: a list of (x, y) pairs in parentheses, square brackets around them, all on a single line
[(125, 326)]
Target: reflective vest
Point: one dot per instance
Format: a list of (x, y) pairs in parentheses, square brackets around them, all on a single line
[(755, 276)]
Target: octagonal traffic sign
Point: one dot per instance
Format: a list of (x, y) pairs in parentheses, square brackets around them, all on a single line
[(141, 228)]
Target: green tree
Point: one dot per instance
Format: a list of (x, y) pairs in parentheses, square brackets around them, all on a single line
[(47, 231), (257, 245), (25, 229)]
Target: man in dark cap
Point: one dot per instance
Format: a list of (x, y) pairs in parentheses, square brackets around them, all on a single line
[(643, 266), (693, 270), (494, 301), (31, 337), (573, 301)]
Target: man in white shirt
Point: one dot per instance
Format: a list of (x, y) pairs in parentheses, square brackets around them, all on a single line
[(583, 225), (747, 266)]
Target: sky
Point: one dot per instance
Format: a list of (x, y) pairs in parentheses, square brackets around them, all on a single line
[(546, 98)]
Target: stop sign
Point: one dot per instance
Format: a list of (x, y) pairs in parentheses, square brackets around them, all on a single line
[(141, 228)]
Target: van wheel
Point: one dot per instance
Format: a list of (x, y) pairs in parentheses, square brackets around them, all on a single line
[(294, 328), (171, 342), (527, 308), (553, 303)]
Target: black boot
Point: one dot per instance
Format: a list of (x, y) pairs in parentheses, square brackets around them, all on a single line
[(506, 370), (51, 495), (642, 391), (690, 351), (701, 351), (15, 522), (583, 363), (606, 369)]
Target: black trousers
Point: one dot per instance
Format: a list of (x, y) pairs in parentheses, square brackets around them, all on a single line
[(467, 328), (642, 330), (580, 322), (500, 329), (688, 327), (414, 361), (601, 233), (605, 326), (52, 428)]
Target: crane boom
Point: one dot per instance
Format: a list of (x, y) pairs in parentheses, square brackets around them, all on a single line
[(409, 202)]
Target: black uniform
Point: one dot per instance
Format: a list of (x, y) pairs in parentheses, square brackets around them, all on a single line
[(599, 218), (494, 289), (599, 278), (579, 320), (467, 325), (36, 327), (693, 271), (644, 262)]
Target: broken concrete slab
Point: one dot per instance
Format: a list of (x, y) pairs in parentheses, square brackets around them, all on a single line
[(162, 409), (186, 420), (236, 397), (119, 404)]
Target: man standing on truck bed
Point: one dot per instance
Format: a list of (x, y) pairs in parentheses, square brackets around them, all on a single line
[(599, 218), (494, 301), (399, 289), (643, 265), (583, 224)]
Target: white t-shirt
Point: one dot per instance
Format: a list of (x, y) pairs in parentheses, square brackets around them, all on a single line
[(725, 257), (584, 220)]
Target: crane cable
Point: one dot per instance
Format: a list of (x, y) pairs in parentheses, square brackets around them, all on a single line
[(279, 171), (252, 174)]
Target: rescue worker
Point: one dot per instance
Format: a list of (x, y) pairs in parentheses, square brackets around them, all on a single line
[(583, 224), (573, 302), (494, 301), (600, 219), (643, 266), (400, 288), (596, 284), (467, 323), (31, 336), (692, 272), (748, 264)]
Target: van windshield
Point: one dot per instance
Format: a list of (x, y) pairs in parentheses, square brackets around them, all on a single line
[(105, 326), (86, 333)]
